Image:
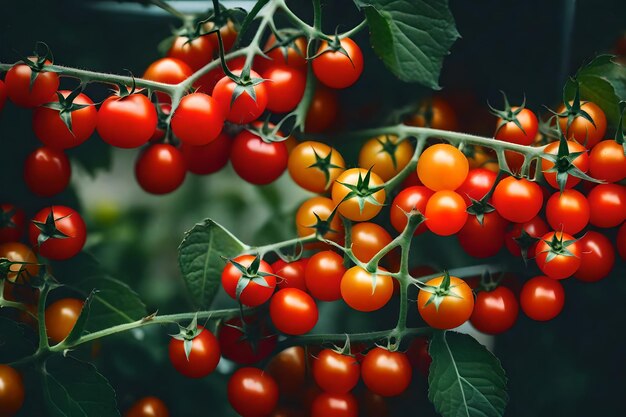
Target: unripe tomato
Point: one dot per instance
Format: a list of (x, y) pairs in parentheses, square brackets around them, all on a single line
[(517, 200), (442, 167), (445, 213), (28, 264), (198, 120), (542, 298), (22, 93), (310, 170), (244, 109), (582, 130), (495, 311), (386, 155), (386, 373), (350, 208), (252, 393), (455, 308), (336, 70), (11, 391), (61, 316), (66, 221), (293, 311), (126, 122), (364, 291), (160, 169), (203, 356)]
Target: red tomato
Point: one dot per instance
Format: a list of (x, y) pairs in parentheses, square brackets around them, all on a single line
[(483, 240), (597, 257), (478, 183), (148, 407), (290, 274), (368, 239), (327, 404), (442, 167), (288, 368), (293, 54), (445, 213), (534, 228), (285, 88), (61, 316), (244, 348), (203, 357), (167, 71), (12, 220), (495, 311), (244, 108), (228, 33), (418, 355), (66, 221), (568, 211), (257, 161), (160, 169), (22, 93), (197, 120), (126, 122), (542, 298), (581, 162), (322, 112), (414, 197), (581, 129), (293, 311), (364, 291), (336, 373), (336, 70), (608, 205), (323, 274), (47, 171), (567, 259), (196, 53), (455, 308), (11, 391), (386, 373), (254, 293), (621, 241), (517, 200), (607, 161), (209, 158), (511, 132), (50, 129), (252, 393)]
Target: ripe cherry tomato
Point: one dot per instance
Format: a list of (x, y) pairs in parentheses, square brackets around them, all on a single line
[(621, 241), (517, 200), (285, 88), (385, 155), (167, 71), (3, 94), (455, 308), (564, 264), (322, 112), (18, 252), (22, 93), (196, 53), (582, 162), (312, 169), (534, 228), (245, 348), (293, 311), (568, 211), (148, 407), (608, 205), (435, 113), (495, 311), (328, 404), (323, 274), (160, 169), (445, 213), (244, 108), (350, 208), (11, 391), (321, 207), (126, 122), (368, 239), (206, 83), (252, 393), (47, 171), (12, 220), (61, 316), (364, 291), (442, 167), (581, 129), (257, 161), (336, 373), (414, 197), (198, 120), (336, 70), (607, 161), (542, 298), (288, 368), (483, 240), (66, 221), (597, 257), (228, 32), (50, 129), (203, 356), (290, 274), (386, 373), (478, 183), (511, 132), (209, 158), (293, 54), (253, 294)]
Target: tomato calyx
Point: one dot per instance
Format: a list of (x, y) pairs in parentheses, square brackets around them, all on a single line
[(389, 147), (187, 334), (574, 110), (362, 191), (48, 228), (525, 241), (439, 293), (508, 115), (324, 164), (557, 246), (488, 282), (334, 45), (6, 218), (251, 333), (564, 164), (267, 131), (323, 226), (65, 106), (37, 62), (250, 274), (286, 40)]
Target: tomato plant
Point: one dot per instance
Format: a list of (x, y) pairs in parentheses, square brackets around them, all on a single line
[(58, 232)]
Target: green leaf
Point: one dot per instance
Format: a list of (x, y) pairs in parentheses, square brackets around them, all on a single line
[(16, 342), (411, 36), (465, 379), (200, 257), (81, 322), (76, 389)]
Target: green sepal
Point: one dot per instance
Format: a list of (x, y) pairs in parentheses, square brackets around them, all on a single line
[(324, 164), (48, 229), (187, 334), (508, 114)]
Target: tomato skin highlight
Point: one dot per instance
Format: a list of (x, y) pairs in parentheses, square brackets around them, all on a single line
[(198, 120), (561, 266), (203, 357), (19, 90), (386, 373), (453, 311), (597, 257), (608, 205), (360, 293), (607, 161), (517, 200), (285, 88), (582, 130), (336, 70), (568, 211), (160, 169), (11, 391), (445, 213), (135, 113), (47, 171), (67, 221), (415, 197), (61, 316), (209, 158), (495, 311), (148, 407), (252, 393), (293, 311), (335, 373), (323, 274), (328, 404), (254, 294), (257, 161), (244, 109), (542, 298), (442, 167), (581, 162), (309, 177)]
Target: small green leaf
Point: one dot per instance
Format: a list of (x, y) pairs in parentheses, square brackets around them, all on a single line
[(81, 322)]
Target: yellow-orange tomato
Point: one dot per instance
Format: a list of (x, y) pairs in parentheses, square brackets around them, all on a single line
[(61, 316), (322, 207), (350, 208), (367, 239), (364, 291), (435, 113), (310, 170), (18, 252), (455, 308), (581, 129), (442, 167), (386, 155)]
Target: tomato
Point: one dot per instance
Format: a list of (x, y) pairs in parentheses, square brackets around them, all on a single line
[(568, 211), (61, 316), (364, 291), (293, 54), (293, 311), (483, 240), (160, 169), (47, 171), (415, 197), (18, 252), (495, 311), (323, 111), (50, 129), (597, 257), (445, 213), (209, 158), (22, 93), (53, 220), (567, 253), (244, 108), (167, 71), (3, 94), (455, 308), (338, 69), (581, 162), (11, 391), (12, 221), (290, 274), (285, 88), (386, 155), (245, 348), (203, 357), (435, 113), (314, 208), (535, 228), (198, 120), (368, 239), (386, 373), (288, 368), (336, 373), (350, 208), (196, 53), (126, 122), (252, 393), (418, 355), (148, 407), (257, 161), (607, 161), (328, 404), (323, 274), (542, 298), (608, 205), (206, 83), (509, 131), (258, 290), (315, 166), (621, 241), (582, 130), (442, 167), (478, 183), (517, 200)]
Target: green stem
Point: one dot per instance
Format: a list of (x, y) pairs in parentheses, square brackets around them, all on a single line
[(262, 250), (350, 33), (316, 339), (41, 317), (317, 15)]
